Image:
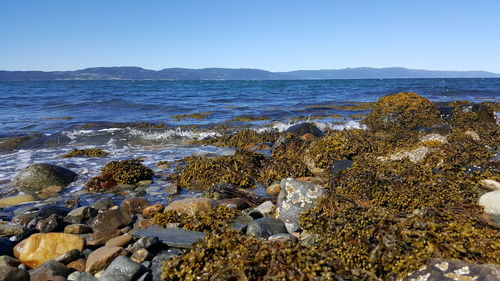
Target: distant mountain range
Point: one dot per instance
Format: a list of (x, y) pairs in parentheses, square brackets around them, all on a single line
[(137, 73)]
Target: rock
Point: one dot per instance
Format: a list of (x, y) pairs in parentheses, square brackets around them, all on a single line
[(119, 241), (491, 202), (6, 246), (50, 224), (266, 208), (283, 237), (241, 222), (8, 261), (20, 237), (69, 256), (85, 276), (490, 184), (49, 210), (103, 204), (49, 269), (144, 243), (308, 137), (144, 223), (78, 228), (101, 237), (265, 227), (305, 128), (78, 265), (39, 248), (38, 176), (16, 200), (73, 276), (152, 210), (10, 229), (111, 219), (296, 197), (434, 137), (122, 269), (234, 203), (172, 189), (449, 270), (141, 255), (100, 259), (159, 259), (473, 135), (22, 219), (484, 113), (10, 273), (173, 237), (81, 214), (146, 276), (414, 155), (134, 205), (192, 206), (341, 165), (273, 189)]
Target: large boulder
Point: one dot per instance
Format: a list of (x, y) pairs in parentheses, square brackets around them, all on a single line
[(296, 197), (38, 176), (449, 270)]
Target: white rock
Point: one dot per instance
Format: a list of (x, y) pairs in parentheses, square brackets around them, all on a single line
[(434, 137), (491, 202), (490, 184)]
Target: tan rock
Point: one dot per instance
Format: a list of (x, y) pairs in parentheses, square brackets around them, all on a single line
[(78, 265), (144, 223), (152, 210), (134, 205), (119, 241), (15, 200), (273, 189), (100, 238), (141, 255), (192, 206), (111, 219), (41, 247), (100, 259), (77, 228), (490, 184)]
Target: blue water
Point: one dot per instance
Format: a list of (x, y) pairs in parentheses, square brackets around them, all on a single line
[(32, 129)]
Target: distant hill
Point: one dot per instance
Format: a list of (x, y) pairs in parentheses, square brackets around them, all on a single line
[(137, 73)]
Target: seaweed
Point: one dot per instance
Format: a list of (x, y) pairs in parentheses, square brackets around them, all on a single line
[(89, 152), (119, 172)]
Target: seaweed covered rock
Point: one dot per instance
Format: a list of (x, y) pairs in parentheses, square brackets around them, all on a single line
[(119, 172), (241, 139), (450, 270), (38, 176), (240, 169), (89, 152), (402, 111), (214, 220)]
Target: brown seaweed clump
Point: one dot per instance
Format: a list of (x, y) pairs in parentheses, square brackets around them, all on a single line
[(119, 172), (241, 139), (240, 169), (214, 221), (402, 111), (89, 152)]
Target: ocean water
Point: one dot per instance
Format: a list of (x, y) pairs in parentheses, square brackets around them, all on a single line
[(40, 121)]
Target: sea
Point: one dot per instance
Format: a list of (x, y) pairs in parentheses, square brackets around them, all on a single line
[(151, 120)]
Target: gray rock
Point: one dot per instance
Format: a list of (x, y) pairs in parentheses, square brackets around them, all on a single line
[(122, 269), (48, 269), (103, 204), (81, 214), (10, 229), (448, 270), (305, 128), (265, 208), (50, 224), (9, 273), (144, 243), (145, 277), (284, 237), (38, 176), (241, 222), (6, 246), (157, 262), (294, 198), (69, 256), (265, 227), (8, 261), (85, 276), (111, 219), (73, 276), (341, 165), (173, 237), (48, 210)]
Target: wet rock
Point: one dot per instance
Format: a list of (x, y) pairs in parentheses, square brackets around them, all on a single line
[(119, 241), (49, 269), (41, 247), (134, 205), (141, 255), (6, 246), (449, 270), (10, 229), (69, 256), (241, 222), (122, 269), (341, 165), (173, 237), (78, 264), (296, 197), (234, 203), (16, 200), (283, 237), (157, 262), (78, 228), (484, 113), (144, 223), (81, 214), (490, 184), (100, 259), (192, 206), (10, 273), (103, 204), (146, 276), (101, 237), (22, 219), (265, 208), (48, 210), (265, 227), (38, 176), (111, 219), (308, 137), (152, 210), (144, 243), (8, 261), (85, 276), (491, 202), (23, 235), (273, 189), (305, 128), (50, 224)]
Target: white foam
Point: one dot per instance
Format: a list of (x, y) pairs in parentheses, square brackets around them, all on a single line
[(169, 134)]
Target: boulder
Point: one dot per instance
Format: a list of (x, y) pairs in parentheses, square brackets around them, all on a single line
[(38, 176), (111, 219), (192, 206), (450, 270), (41, 247), (296, 197), (483, 112), (305, 128), (100, 259), (265, 227)]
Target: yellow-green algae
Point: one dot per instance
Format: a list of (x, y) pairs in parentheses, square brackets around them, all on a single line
[(240, 139), (89, 152), (201, 115), (249, 118), (119, 172)]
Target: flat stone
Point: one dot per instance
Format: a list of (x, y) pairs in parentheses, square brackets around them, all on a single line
[(450, 270), (78, 228), (434, 137), (122, 269), (265, 227), (241, 222), (10, 229), (10, 273), (119, 241), (144, 243), (100, 259), (283, 237), (111, 219), (100, 238), (134, 205), (152, 210), (16, 200), (41, 247), (39, 176), (78, 264), (49, 269), (159, 259), (192, 206), (173, 237)]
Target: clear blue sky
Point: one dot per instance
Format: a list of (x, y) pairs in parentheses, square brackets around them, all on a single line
[(268, 34)]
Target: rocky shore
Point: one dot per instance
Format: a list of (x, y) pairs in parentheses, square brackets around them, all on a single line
[(415, 196)]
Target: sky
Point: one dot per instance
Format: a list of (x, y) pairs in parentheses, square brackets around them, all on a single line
[(274, 35)]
